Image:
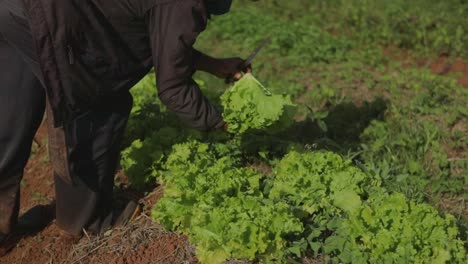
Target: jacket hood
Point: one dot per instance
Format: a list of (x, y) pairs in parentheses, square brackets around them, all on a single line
[(218, 7)]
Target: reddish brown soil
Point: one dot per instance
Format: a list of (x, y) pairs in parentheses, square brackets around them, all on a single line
[(37, 186), (442, 65), (446, 66), (140, 242)]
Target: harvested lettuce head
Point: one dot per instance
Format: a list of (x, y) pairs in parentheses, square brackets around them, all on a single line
[(248, 105)]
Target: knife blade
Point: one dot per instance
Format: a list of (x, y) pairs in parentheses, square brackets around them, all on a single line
[(250, 59), (254, 54)]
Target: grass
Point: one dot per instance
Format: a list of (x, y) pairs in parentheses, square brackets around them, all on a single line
[(335, 54)]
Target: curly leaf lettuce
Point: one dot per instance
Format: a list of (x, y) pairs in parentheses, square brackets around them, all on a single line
[(248, 105)]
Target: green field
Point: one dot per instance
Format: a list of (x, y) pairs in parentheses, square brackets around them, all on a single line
[(373, 166)]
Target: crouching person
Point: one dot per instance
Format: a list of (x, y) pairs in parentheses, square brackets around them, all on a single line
[(82, 57)]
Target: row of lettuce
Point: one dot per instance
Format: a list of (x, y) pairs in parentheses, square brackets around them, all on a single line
[(236, 198)]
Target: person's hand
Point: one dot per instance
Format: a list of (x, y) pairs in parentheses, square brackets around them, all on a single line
[(230, 68)]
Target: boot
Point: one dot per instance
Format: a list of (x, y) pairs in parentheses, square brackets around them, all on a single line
[(130, 213), (117, 218)]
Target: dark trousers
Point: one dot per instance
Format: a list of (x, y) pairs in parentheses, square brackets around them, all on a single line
[(22, 103), (92, 138), (93, 142)]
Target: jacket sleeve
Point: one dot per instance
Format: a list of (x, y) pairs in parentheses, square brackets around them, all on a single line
[(174, 27)]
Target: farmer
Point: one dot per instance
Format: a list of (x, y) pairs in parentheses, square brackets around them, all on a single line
[(82, 57)]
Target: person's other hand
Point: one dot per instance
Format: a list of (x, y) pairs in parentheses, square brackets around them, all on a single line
[(222, 126)]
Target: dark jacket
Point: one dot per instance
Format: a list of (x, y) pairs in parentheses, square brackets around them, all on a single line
[(92, 50)]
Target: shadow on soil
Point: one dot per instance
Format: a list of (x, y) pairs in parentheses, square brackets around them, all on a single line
[(34, 221), (338, 130)]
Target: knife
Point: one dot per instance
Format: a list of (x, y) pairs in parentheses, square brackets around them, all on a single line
[(250, 59)]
